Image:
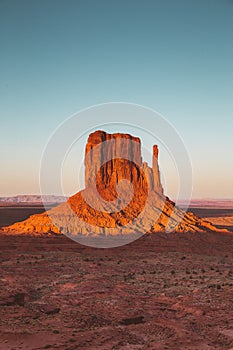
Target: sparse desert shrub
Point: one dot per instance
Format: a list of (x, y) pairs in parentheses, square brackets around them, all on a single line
[(72, 340)]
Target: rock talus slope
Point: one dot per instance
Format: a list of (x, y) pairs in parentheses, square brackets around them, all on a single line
[(122, 195)]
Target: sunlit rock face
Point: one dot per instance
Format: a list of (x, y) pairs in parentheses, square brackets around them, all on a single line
[(110, 158), (123, 196)]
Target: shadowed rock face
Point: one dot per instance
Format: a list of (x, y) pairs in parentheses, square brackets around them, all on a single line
[(122, 196)]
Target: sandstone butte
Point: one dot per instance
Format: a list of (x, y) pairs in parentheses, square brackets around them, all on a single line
[(122, 195)]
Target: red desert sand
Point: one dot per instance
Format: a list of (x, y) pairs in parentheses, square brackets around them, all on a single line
[(164, 291)]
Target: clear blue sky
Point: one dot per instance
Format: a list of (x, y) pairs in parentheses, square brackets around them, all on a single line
[(59, 56)]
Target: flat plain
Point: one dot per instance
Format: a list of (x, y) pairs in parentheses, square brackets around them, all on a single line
[(163, 291)]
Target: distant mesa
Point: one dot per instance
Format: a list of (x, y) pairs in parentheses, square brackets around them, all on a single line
[(31, 199), (123, 196)]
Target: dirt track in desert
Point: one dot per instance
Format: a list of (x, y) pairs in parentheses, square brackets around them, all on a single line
[(164, 291)]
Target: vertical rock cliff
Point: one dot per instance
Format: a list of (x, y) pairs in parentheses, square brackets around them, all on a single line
[(110, 158)]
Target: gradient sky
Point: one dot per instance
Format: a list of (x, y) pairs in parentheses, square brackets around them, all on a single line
[(59, 56)]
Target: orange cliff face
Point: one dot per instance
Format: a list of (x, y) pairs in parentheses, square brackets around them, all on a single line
[(122, 195), (110, 158)]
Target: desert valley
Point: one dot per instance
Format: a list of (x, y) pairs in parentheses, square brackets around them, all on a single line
[(164, 290)]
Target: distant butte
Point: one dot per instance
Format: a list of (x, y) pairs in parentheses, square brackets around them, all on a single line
[(123, 195)]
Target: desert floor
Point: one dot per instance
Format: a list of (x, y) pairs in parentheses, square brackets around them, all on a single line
[(163, 291)]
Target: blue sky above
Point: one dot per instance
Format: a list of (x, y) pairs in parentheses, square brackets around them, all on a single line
[(175, 56)]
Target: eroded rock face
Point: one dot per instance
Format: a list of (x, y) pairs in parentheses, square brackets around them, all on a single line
[(123, 195), (110, 158)]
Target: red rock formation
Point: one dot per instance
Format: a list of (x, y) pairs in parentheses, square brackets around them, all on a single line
[(156, 174), (123, 195), (109, 158)]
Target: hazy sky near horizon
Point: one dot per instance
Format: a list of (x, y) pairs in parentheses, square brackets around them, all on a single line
[(60, 56)]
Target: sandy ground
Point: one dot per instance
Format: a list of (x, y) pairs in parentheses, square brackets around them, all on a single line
[(164, 291)]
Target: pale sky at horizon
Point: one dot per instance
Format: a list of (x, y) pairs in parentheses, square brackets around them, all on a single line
[(174, 56)]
